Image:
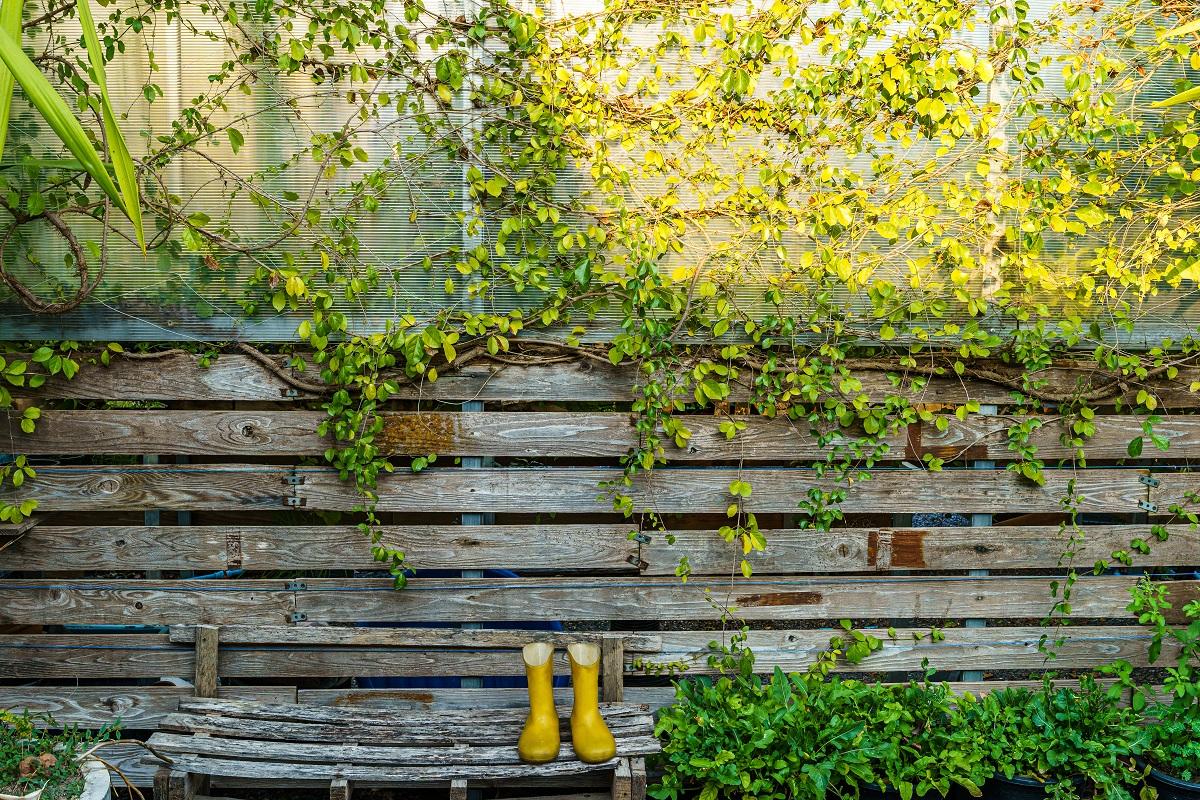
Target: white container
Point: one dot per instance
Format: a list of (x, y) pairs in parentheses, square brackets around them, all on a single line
[(97, 784)]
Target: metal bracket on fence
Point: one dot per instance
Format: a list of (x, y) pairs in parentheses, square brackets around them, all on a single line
[(289, 393), (639, 563), (298, 616), (641, 538), (294, 480), (1148, 480), (295, 502), (1146, 505), (296, 586)]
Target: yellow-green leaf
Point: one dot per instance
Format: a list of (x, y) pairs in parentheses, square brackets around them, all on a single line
[(122, 162), (10, 22), (57, 114)]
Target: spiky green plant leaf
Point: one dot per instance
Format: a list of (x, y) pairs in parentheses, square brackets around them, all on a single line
[(122, 162), (50, 104), (10, 22)]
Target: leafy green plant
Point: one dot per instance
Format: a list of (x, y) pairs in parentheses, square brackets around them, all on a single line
[(1074, 740), (913, 731), (1174, 723), (33, 757), (740, 736)]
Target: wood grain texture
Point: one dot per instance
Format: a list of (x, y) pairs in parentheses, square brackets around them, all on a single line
[(148, 655), (484, 600), (918, 549), (705, 490), (239, 377), (149, 602), (564, 490), (207, 641), (292, 433), (447, 638), (34, 602), (562, 548), (156, 486), (136, 706), (138, 655), (133, 602), (568, 548)]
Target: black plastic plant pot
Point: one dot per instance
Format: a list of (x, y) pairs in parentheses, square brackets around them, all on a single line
[(871, 791), (1171, 788), (1019, 787)]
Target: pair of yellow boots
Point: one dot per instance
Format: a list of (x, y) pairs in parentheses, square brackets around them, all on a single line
[(590, 736)]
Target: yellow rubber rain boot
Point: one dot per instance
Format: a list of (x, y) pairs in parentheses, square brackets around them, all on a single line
[(539, 739), (590, 736)]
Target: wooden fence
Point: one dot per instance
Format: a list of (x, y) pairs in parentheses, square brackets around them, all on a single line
[(219, 470)]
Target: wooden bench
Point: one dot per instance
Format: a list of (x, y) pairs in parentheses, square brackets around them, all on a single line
[(342, 747)]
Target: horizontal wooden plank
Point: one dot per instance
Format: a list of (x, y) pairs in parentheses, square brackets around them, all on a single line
[(303, 753), (151, 656), (125, 602), (137, 707), (152, 486), (999, 597), (267, 770), (568, 548), (885, 549), (561, 548), (236, 376), (149, 602), (446, 730), (565, 490), (626, 716), (706, 490), (293, 433), (449, 638)]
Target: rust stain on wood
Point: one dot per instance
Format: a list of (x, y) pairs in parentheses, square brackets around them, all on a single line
[(872, 548), (908, 549), (781, 599), (417, 434)]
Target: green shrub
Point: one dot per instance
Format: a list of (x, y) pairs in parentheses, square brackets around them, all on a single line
[(1060, 735), (792, 736), (1174, 747), (918, 744)]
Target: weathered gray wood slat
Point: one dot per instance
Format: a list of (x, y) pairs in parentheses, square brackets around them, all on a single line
[(767, 598), (124, 656), (239, 377), (233, 768), (508, 599), (511, 639), (564, 490), (557, 434), (297, 752), (134, 602), (562, 548), (156, 486), (705, 490), (96, 656), (567, 548), (135, 706), (440, 724), (446, 731), (884, 549)]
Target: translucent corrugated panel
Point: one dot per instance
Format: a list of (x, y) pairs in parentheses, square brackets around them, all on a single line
[(177, 294)]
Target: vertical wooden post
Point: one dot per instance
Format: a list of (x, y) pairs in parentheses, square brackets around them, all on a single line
[(622, 781), (612, 669), (637, 774), (173, 784), (207, 646), (340, 789)]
